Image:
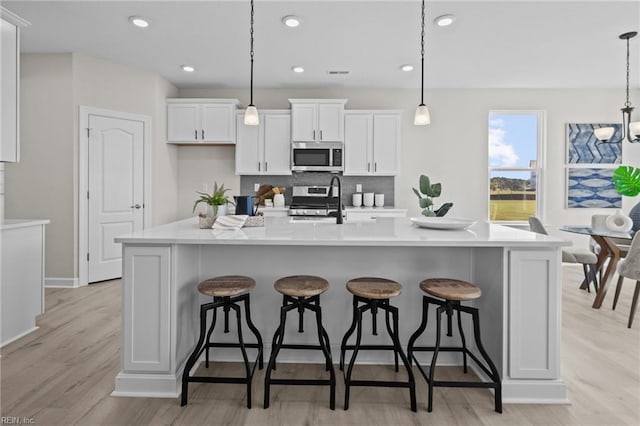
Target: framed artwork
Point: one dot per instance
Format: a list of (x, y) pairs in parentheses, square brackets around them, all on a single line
[(592, 188), (584, 148)]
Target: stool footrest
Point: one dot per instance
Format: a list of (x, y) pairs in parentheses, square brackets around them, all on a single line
[(300, 382), (369, 347), (383, 383), (205, 379), (231, 345), (456, 384), (441, 349), (299, 346)]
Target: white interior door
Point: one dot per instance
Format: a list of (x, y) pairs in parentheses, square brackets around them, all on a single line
[(116, 190)]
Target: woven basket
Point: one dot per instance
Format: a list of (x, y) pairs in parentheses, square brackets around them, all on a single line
[(254, 221)]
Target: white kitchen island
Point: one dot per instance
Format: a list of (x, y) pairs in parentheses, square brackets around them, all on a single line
[(518, 271)]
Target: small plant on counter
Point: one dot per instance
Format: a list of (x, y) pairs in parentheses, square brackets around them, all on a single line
[(426, 194), (215, 199)]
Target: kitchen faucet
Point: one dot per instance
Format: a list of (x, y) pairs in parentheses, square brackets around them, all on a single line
[(339, 212)]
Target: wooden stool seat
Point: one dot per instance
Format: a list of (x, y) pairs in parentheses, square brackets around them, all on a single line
[(374, 288), (450, 289), (301, 285), (226, 286)]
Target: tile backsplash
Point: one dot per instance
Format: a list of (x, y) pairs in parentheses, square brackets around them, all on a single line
[(377, 184)]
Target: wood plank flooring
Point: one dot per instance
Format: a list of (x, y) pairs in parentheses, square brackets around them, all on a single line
[(64, 372)]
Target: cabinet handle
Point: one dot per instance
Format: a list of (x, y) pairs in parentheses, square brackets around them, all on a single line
[(266, 166), (368, 167), (202, 134), (314, 135), (375, 167), (196, 132), (259, 165), (320, 134)]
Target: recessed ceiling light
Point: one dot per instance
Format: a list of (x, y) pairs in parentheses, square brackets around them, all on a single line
[(407, 67), (444, 20), (139, 21), (291, 21), (297, 69), (187, 68)]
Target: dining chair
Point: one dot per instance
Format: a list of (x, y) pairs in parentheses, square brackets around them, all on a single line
[(629, 267), (576, 255)]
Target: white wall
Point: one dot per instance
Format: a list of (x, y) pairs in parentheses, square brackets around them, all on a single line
[(453, 149), (45, 182)]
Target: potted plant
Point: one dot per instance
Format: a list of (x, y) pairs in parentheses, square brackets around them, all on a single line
[(426, 194), (627, 182), (217, 200)]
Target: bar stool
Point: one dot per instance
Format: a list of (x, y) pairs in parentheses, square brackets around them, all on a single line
[(453, 292), (227, 292), (371, 294), (301, 292)]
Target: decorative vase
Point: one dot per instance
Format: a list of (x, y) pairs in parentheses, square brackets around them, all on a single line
[(634, 214), (619, 222), (222, 210), (278, 200)]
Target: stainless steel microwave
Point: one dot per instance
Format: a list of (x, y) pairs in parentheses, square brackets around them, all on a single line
[(317, 157)]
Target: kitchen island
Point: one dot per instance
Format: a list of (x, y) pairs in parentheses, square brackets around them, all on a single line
[(518, 272)]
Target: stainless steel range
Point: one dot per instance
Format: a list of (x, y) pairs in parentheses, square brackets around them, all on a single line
[(313, 201)]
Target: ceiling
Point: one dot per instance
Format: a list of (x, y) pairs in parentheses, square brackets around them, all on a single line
[(492, 44)]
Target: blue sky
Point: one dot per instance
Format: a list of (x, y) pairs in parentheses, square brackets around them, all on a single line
[(512, 139)]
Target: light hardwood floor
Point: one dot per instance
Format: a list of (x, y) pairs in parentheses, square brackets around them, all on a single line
[(63, 374)]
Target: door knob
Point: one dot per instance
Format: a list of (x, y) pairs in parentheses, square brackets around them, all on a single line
[(137, 206)]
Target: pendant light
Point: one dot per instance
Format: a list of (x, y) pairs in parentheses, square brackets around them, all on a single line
[(422, 117), (629, 130), (251, 117)]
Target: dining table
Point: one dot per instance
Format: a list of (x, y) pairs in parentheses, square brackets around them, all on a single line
[(612, 247)]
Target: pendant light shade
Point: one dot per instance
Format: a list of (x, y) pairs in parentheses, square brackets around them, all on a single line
[(630, 131), (251, 117), (422, 117)]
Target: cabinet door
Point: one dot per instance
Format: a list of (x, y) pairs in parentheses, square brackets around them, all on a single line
[(248, 159), (357, 143), (303, 126), (386, 135), (330, 123), (218, 123), (183, 123), (9, 141), (277, 144)]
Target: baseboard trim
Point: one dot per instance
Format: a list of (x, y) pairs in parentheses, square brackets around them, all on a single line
[(19, 336), (50, 282)]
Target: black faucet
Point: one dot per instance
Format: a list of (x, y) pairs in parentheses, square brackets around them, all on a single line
[(339, 212)]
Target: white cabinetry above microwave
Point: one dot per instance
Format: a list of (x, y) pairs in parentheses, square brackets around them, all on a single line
[(317, 120), (372, 143), (264, 149), (207, 121)]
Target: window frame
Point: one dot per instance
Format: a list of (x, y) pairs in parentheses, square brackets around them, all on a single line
[(541, 142)]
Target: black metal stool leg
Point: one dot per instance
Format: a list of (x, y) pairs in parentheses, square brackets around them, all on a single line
[(348, 334), (254, 330), (464, 344), (347, 379), (326, 350), (494, 370), (208, 341), (432, 367), (194, 355), (274, 354), (420, 330), (247, 366), (398, 350), (395, 352)]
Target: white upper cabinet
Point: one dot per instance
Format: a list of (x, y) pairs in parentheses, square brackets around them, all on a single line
[(317, 120), (10, 85), (208, 121), (264, 149), (372, 143)]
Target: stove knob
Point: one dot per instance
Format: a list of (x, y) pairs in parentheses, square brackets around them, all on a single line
[(317, 212)]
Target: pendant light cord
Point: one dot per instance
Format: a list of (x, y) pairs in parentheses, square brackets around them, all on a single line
[(251, 33), (422, 55)]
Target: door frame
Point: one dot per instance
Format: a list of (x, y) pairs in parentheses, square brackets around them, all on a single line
[(83, 179)]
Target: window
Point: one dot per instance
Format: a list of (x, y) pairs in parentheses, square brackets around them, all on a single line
[(515, 164)]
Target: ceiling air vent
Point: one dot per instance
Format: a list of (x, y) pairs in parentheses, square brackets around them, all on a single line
[(337, 72)]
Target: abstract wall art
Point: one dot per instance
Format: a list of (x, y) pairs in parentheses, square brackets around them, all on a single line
[(592, 188), (584, 148)]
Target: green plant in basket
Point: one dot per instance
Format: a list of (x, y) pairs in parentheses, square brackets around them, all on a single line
[(426, 194), (627, 180), (215, 199)]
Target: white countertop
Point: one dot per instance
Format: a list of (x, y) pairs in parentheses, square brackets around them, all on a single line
[(279, 231), (21, 223)]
